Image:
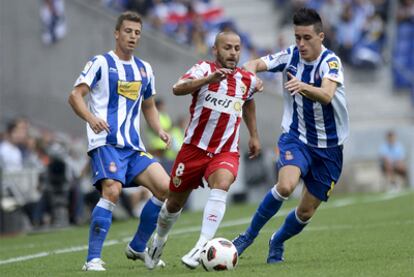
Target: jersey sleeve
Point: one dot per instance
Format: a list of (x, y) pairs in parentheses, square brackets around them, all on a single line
[(197, 71), (252, 88), (150, 89), (277, 62), (332, 69), (91, 73)]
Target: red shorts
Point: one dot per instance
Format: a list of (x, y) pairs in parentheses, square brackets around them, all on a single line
[(193, 163)]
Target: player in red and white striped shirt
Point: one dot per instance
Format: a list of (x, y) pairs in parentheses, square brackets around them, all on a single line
[(222, 95)]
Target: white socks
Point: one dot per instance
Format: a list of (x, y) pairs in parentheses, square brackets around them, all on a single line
[(213, 214), (165, 222)]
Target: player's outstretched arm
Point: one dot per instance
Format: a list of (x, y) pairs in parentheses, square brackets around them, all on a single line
[(323, 94), (187, 86), (153, 119), (257, 65), (79, 106), (249, 117)]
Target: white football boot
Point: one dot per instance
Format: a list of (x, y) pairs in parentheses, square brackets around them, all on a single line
[(155, 250), (143, 256), (96, 264), (192, 258)]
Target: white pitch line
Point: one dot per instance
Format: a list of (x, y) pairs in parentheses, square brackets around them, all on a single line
[(231, 223)]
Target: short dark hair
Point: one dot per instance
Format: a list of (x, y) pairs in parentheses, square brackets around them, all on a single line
[(307, 17), (128, 15)]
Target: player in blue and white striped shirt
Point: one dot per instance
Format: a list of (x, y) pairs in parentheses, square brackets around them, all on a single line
[(119, 85), (315, 126)]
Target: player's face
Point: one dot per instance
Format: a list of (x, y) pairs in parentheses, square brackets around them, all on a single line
[(309, 42), (227, 50), (128, 36)]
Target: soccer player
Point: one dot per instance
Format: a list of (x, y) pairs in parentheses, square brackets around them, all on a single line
[(315, 126), (222, 94), (119, 86)]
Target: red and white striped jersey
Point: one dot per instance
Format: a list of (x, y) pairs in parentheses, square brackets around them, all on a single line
[(216, 108)]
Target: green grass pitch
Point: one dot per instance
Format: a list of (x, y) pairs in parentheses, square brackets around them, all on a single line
[(358, 235)]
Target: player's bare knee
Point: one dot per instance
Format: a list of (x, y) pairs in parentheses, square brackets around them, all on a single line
[(111, 190), (223, 185), (161, 192), (173, 205), (305, 214), (285, 189), (112, 194)]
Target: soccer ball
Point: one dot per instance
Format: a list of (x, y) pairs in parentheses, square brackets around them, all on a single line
[(219, 254)]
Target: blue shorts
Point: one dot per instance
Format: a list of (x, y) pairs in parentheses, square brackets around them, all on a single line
[(123, 165), (320, 167)]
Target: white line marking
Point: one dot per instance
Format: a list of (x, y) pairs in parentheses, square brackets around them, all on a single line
[(231, 223)]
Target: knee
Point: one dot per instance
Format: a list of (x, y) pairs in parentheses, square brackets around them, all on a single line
[(111, 191), (173, 206), (305, 214), (285, 188), (222, 185), (161, 192)]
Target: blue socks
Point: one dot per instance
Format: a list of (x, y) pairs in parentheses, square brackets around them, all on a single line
[(100, 223), (147, 224), (292, 226), (268, 207)]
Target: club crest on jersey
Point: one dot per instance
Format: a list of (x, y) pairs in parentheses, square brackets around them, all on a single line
[(288, 156), (176, 181), (112, 167)]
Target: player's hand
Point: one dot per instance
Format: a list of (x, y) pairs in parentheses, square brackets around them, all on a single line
[(293, 85), (166, 137), (254, 147), (219, 75), (259, 85), (98, 125)]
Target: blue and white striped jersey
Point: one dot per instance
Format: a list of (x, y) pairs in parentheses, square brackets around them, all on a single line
[(315, 124), (117, 90)]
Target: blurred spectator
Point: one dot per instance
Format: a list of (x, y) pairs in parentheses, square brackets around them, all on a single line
[(52, 14), (11, 157), (177, 135), (367, 52), (403, 57), (348, 33), (156, 146), (392, 158)]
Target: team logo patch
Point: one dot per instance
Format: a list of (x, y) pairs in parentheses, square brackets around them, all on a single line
[(176, 181), (112, 167), (288, 156), (333, 65)]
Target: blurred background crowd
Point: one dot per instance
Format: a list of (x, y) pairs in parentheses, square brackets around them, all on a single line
[(44, 171)]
